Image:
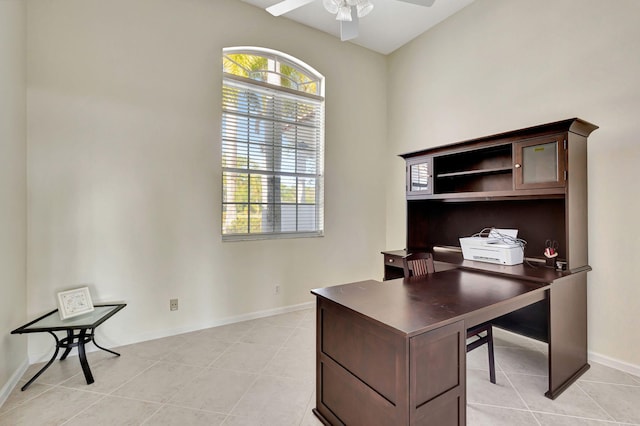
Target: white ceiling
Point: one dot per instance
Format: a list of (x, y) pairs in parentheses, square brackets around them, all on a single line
[(390, 24)]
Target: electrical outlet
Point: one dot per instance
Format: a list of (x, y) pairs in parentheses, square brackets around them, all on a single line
[(173, 304), (277, 289)]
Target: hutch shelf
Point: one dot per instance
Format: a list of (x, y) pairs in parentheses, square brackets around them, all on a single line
[(533, 180)]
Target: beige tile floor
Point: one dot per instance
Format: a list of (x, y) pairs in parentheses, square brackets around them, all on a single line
[(261, 372)]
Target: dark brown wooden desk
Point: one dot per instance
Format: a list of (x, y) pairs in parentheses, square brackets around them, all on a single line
[(393, 352)]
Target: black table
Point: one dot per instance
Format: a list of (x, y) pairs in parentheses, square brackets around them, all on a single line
[(80, 330)]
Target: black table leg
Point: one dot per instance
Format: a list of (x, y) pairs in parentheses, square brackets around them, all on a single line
[(68, 348), (68, 343), (80, 331), (55, 354), (74, 340), (82, 337), (104, 349)]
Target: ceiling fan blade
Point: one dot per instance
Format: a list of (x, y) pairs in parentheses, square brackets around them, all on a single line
[(286, 6), (427, 3), (349, 29)]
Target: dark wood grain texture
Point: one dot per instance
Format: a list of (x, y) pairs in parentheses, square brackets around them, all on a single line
[(393, 352), (413, 329)]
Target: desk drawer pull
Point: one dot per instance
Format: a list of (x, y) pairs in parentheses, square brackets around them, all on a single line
[(390, 260)]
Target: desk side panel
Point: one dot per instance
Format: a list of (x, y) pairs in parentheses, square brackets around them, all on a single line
[(577, 204), (568, 332), (361, 371), (438, 376)]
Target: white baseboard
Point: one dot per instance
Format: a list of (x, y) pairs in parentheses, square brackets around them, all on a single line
[(614, 363), (143, 337), (13, 381), (217, 323)]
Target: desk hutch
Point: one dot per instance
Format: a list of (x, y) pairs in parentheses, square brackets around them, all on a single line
[(533, 180), (393, 352)]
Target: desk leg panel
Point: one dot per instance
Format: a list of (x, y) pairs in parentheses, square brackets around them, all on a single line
[(567, 332), (438, 376), (347, 400), (361, 369)]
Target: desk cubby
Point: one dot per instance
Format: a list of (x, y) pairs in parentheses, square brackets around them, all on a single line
[(534, 180)]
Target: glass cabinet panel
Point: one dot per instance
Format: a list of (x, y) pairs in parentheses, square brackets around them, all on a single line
[(420, 176), (540, 163)]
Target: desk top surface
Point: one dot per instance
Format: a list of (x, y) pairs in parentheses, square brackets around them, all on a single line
[(52, 322), (534, 271), (416, 304)]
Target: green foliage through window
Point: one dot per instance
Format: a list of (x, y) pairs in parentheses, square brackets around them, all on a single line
[(272, 146)]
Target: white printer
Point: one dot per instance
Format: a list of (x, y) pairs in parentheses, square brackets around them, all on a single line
[(501, 246)]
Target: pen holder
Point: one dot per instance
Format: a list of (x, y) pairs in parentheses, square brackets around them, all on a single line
[(551, 253)]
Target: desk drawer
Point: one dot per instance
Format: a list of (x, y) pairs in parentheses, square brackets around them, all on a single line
[(392, 260), (393, 264)]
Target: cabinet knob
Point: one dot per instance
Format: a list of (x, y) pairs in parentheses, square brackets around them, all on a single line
[(390, 260), (517, 166)]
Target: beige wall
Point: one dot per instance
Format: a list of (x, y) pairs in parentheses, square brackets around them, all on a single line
[(13, 189), (124, 176), (124, 164), (503, 64)]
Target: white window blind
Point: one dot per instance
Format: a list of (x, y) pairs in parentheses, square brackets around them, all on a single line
[(272, 161)]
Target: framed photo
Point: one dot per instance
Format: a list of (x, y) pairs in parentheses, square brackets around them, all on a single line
[(72, 303)]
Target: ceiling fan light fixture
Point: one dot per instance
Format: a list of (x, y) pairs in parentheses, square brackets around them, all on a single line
[(347, 12), (331, 6), (344, 13), (363, 8)]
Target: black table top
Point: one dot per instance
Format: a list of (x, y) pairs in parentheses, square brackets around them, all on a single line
[(415, 305), (52, 322)]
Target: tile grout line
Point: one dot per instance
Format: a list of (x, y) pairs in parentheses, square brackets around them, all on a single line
[(83, 410), (571, 416), (594, 401), (153, 414), (521, 398), (228, 418), (259, 375), (112, 393)]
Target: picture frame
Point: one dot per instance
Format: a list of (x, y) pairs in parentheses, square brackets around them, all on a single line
[(72, 303)]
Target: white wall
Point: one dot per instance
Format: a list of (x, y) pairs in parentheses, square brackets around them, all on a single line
[(124, 151), (501, 65), (13, 188), (124, 105)]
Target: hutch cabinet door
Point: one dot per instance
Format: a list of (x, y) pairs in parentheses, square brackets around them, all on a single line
[(540, 163), (420, 176)]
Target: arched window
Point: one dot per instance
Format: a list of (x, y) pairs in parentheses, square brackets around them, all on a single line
[(272, 145)]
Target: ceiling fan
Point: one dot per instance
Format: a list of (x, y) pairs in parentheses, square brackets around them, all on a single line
[(347, 12)]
